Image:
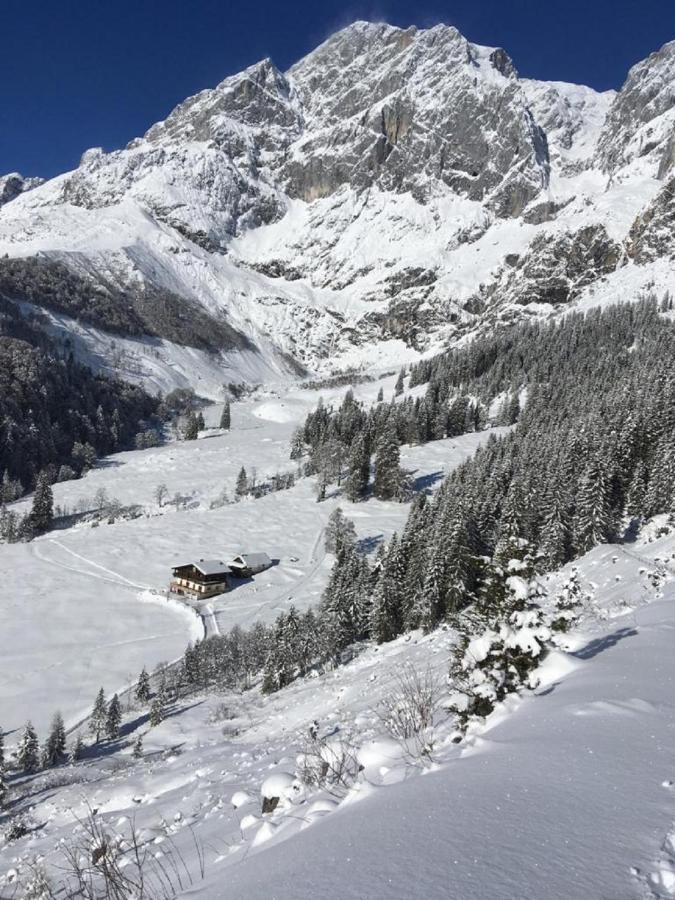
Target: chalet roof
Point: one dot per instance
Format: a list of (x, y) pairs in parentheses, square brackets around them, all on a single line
[(208, 566), (251, 560)]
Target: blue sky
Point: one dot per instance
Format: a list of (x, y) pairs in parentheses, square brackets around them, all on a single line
[(76, 74)]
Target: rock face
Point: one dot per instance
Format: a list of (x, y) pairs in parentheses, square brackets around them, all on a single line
[(14, 184), (652, 236), (390, 192), (557, 268), (642, 118), (403, 108)]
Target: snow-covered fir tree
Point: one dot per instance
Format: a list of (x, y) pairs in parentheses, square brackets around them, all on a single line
[(387, 484), (113, 718), (54, 750), (42, 512), (225, 416), (28, 750), (142, 689), (98, 716)]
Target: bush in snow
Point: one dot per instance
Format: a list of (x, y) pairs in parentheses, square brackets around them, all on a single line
[(329, 763), (503, 639), (409, 711)]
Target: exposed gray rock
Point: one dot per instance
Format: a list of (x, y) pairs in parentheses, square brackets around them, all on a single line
[(632, 129), (653, 233), (14, 184), (556, 268)]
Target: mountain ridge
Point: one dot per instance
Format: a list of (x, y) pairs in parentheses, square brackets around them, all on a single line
[(389, 193)]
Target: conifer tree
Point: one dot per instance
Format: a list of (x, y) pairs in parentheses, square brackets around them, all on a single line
[(158, 707), (77, 749), (98, 716), (398, 387), (138, 747), (225, 417), (28, 750), (42, 512), (191, 429), (387, 484), (380, 395), (592, 520), (113, 718), (356, 483), (142, 691), (241, 487), (387, 610), (339, 530), (201, 424), (54, 751)]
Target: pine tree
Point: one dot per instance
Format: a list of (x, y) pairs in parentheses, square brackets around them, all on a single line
[(201, 424), (77, 750), (386, 613), (113, 718), (398, 387), (380, 395), (54, 751), (387, 484), (356, 483), (592, 520), (138, 747), (191, 429), (339, 530), (225, 417), (241, 488), (158, 706), (142, 692), (98, 716), (42, 512), (28, 751)]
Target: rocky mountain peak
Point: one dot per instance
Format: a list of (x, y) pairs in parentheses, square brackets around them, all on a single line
[(641, 121), (13, 184)]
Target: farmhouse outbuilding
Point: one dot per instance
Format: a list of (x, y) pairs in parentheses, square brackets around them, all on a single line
[(204, 578), (247, 564)]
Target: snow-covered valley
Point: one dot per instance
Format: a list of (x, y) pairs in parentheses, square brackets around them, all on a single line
[(579, 772)]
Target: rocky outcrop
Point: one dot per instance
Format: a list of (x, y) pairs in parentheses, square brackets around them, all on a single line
[(642, 117), (556, 268), (14, 184), (653, 233)]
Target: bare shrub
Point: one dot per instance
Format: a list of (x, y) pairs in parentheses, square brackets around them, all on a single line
[(408, 711), (328, 763), (102, 864)]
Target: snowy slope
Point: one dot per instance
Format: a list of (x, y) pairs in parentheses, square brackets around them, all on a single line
[(368, 205)]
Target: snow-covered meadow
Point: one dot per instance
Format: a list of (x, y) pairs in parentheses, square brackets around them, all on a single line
[(85, 606)]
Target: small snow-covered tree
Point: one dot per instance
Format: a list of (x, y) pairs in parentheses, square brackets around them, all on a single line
[(225, 416), (54, 751), (28, 750), (138, 747), (338, 530), (42, 512), (388, 480), (201, 424), (113, 718), (241, 487), (191, 429), (142, 691), (398, 387), (356, 483), (161, 493), (76, 751), (504, 638), (98, 716)]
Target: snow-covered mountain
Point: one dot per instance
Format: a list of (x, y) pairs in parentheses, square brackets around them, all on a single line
[(392, 191)]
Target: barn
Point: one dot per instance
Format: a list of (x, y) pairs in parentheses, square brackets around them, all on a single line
[(247, 564), (204, 578)]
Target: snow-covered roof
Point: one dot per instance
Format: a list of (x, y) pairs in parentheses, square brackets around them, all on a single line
[(208, 566), (251, 560)]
